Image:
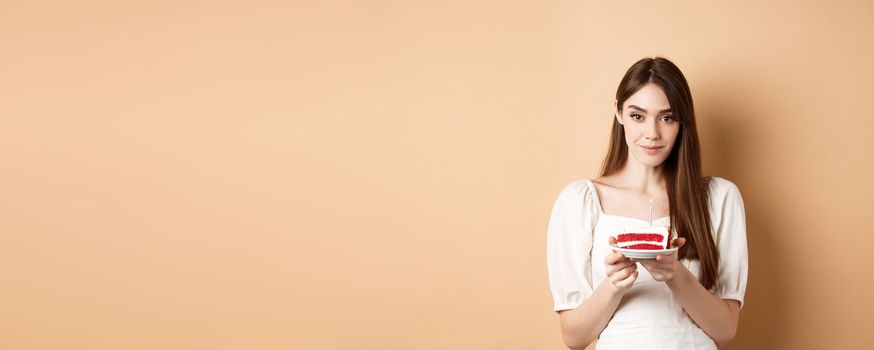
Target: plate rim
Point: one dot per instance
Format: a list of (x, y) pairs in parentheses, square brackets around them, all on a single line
[(645, 251)]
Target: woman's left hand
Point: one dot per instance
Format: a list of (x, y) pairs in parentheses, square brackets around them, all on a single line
[(662, 269)]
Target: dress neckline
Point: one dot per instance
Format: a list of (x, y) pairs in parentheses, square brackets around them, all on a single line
[(601, 210)]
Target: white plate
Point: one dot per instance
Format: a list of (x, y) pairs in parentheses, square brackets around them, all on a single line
[(644, 253)]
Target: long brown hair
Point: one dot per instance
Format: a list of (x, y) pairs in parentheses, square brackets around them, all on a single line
[(687, 189)]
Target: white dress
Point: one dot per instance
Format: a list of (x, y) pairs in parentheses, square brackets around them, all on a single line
[(648, 317)]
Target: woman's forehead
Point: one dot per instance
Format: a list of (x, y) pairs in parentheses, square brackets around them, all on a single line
[(650, 99)]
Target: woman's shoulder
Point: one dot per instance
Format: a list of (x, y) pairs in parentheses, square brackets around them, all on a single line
[(577, 186), (579, 190), (577, 199), (722, 189)]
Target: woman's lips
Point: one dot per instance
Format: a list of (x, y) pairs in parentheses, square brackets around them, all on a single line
[(652, 149)]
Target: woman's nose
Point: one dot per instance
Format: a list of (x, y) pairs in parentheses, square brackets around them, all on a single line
[(652, 131)]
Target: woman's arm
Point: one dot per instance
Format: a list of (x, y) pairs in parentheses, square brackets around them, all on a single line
[(582, 325), (716, 317)]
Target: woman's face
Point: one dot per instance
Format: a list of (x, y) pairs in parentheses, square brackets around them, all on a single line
[(650, 128)]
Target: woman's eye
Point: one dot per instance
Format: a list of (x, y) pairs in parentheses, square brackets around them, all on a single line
[(668, 119), (635, 116)]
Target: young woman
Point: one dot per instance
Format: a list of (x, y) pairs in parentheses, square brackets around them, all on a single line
[(686, 300)]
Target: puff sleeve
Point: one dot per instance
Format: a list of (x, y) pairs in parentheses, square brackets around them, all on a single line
[(731, 241), (569, 245)]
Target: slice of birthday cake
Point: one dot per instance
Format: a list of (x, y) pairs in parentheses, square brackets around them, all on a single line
[(648, 238)]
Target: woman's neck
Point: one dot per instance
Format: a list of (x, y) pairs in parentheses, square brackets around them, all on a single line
[(641, 177)]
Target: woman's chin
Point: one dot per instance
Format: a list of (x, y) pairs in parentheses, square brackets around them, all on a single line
[(650, 160)]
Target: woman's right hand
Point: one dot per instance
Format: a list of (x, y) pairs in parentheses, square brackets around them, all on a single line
[(621, 271)]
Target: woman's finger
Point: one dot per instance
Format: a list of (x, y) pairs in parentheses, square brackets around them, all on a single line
[(628, 281), (622, 274), (664, 257), (611, 269), (628, 269), (649, 264), (613, 258)]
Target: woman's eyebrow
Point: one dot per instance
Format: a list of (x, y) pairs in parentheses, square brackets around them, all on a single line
[(645, 111)]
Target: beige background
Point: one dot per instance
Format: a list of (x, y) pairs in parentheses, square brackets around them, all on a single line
[(379, 175)]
